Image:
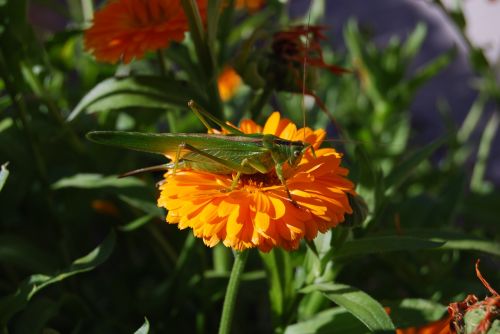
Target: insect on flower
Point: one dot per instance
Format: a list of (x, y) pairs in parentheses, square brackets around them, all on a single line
[(254, 187), (214, 153)]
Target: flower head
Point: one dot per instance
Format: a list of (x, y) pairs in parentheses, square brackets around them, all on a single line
[(300, 45), (126, 29), (258, 212), (250, 5), (229, 81), (441, 326), (296, 55)]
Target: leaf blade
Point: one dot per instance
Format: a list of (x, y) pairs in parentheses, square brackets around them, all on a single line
[(15, 302), (360, 304)]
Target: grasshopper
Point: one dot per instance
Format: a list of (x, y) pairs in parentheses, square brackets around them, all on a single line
[(214, 153)]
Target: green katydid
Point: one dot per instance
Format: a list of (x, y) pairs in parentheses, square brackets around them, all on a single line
[(214, 153)]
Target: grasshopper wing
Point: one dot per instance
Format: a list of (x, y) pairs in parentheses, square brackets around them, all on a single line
[(168, 143)]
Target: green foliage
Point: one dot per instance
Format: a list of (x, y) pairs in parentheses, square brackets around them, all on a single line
[(4, 174), (144, 328), (15, 302), (419, 220), (358, 303)]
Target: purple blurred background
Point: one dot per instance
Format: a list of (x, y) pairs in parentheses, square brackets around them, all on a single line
[(388, 18)]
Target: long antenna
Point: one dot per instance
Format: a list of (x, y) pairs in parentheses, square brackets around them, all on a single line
[(304, 68)]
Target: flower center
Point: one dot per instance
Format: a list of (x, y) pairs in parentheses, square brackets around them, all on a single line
[(259, 180)]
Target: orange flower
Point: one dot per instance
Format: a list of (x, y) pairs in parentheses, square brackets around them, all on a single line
[(105, 207), (437, 327), (229, 81), (126, 29), (258, 213), (250, 5)]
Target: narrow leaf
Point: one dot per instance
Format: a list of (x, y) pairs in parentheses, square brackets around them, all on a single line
[(146, 206), (414, 42), (134, 92), (382, 244), (428, 71), (91, 181), (22, 253), (144, 328), (401, 172), (478, 184), (278, 266), (357, 302), (458, 241), (415, 312), (334, 320), (136, 223), (15, 302), (36, 316), (4, 174)]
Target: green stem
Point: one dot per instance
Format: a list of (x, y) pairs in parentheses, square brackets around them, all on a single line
[(222, 259), (19, 105), (161, 62), (163, 242), (204, 54), (478, 184), (232, 292), (215, 8), (87, 12), (41, 92), (261, 101)]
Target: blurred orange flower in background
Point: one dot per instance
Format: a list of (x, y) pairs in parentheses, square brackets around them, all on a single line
[(229, 81), (437, 327), (126, 29), (258, 212), (250, 5)]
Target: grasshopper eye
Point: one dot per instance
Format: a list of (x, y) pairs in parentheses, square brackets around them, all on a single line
[(297, 153)]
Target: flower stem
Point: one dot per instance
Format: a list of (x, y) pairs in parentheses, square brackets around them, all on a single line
[(87, 12), (205, 51), (162, 65), (232, 292)]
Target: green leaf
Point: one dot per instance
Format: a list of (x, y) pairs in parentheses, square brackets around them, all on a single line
[(4, 174), (415, 312), (334, 320), (478, 182), (474, 318), (92, 181), (458, 241), (137, 92), (381, 244), (36, 316), (144, 328), (17, 301), (401, 172), (136, 223), (357, 302), (146, 206), (428, 71), (278, 266), (414, 42), (20, 252)]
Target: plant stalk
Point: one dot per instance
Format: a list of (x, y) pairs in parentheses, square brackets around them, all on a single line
[(232, 291)]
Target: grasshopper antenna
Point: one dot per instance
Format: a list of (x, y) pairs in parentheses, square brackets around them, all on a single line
[(156, 168), (304, 68)]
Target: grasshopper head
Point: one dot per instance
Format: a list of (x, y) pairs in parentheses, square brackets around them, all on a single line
[(297, 150)]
